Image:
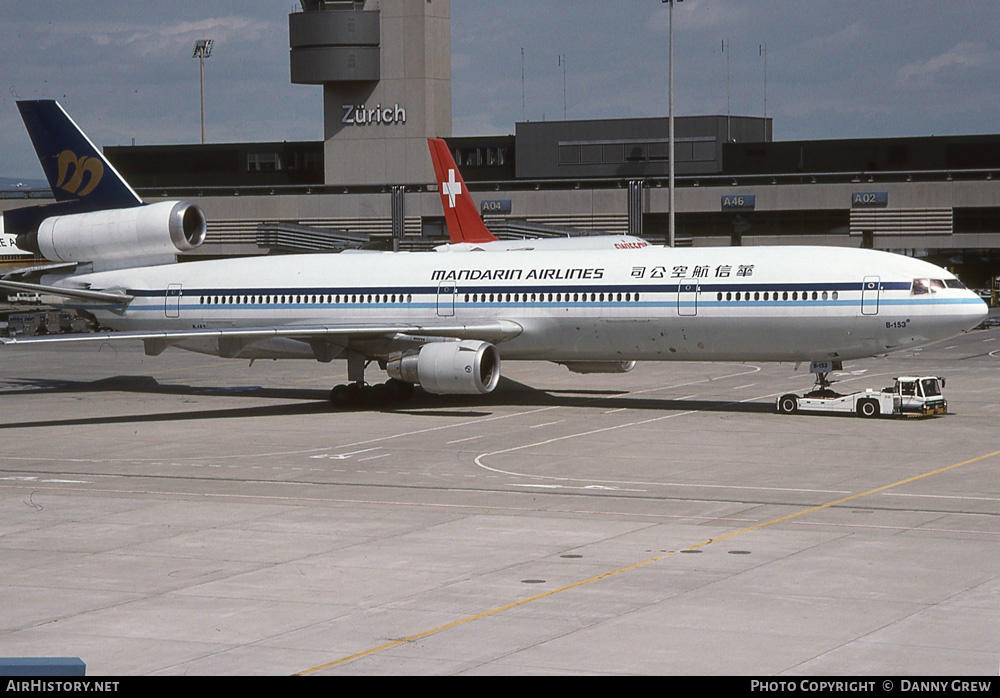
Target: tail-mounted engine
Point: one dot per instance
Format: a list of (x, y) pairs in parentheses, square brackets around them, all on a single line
[(449, 368), (123, 237)]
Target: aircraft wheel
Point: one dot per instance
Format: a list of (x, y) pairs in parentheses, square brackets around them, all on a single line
[(378, 395), (338, 396), (353, 394), (868, 408), (348, 396), (399, 391), (788, 404)]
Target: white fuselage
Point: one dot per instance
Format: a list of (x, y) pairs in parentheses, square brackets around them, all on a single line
[(654, 303)]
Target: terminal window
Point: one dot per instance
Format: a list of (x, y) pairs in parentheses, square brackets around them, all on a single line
[(263, 162)]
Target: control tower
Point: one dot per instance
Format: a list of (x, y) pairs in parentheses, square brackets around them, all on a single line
[(385, 68)]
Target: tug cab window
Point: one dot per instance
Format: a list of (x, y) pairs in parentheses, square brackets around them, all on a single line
[(930, 388)]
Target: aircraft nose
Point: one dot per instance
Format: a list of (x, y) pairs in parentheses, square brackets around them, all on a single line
[(982, 310), (974, 310)]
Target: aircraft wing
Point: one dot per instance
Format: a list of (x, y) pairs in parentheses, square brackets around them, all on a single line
[(118, 298), (391, 336)]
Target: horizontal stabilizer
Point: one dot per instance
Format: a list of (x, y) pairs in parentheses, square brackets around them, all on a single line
[(20, 221)]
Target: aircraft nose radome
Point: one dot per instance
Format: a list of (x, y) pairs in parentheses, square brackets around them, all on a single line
[(982, 311), (974, 312)]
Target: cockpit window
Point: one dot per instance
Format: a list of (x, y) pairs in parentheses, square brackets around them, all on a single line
[(953, 283), (922, 286)]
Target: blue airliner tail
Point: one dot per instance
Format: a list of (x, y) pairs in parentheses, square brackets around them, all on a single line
[(75, 168)]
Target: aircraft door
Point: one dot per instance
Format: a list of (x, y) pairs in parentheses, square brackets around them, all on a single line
[(446, 299), (870, 290), (910, 395), (687, 297), (172, 301)]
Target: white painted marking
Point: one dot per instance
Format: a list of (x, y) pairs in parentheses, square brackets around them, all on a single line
[(451, 188), (940, 496), (617, 483), (34, 478), (304, 452), (547, 424), (570, 487), (469, 438), (345, 456)]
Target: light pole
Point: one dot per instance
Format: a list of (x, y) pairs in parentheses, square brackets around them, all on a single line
[(202, 50), (671, 237)]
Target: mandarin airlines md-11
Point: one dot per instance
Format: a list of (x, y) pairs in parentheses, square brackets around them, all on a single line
[(444, 320)]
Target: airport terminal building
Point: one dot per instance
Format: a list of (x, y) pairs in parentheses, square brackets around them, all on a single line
[(385, 72)]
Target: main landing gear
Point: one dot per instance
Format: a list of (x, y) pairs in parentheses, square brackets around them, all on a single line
[(357, 393)]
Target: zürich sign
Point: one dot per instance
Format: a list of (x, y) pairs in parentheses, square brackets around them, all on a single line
[(360, 115)]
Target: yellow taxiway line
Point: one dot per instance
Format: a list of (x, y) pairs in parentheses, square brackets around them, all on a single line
[(622, 570)]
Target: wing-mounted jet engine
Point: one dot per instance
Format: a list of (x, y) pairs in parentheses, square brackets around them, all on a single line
[(449, 368)]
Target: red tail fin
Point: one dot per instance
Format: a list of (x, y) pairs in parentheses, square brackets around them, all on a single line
[(464, 223)]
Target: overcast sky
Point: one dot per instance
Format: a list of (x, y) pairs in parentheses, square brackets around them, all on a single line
[(852, 68)]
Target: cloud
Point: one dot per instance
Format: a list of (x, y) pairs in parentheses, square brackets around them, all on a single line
[(962, 56), (697, 15)]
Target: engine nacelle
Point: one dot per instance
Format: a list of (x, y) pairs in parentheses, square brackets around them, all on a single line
[(599, 366), (449, 368), (121, 237)]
